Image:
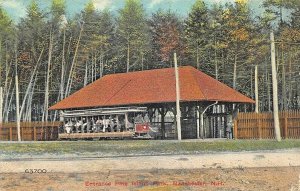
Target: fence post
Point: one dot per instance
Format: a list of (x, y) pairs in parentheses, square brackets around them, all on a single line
[(285, 126), (10, 133), (51, 134), (235, 127), (22, 133), (34, 133), (259, 127)]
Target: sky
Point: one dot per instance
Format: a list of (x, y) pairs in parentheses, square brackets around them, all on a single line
[(17, 8)]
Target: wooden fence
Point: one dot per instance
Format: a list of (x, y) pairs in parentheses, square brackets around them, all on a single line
[(30, 131), (261, 125)]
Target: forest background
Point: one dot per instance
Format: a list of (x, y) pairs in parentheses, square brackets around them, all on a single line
[(55, 55)]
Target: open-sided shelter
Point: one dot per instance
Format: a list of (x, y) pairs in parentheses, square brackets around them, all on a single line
[(155, 89)]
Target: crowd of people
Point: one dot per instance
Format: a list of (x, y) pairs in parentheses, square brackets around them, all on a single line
[(102, 124)]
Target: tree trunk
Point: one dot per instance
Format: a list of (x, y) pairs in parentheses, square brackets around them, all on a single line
[(1, 104), (29, 101), (29, 87), (142, 61), (9, 105), (6, 101), (256, 89), (63, 62), (290, 81), (46, 101), (92, 65), (17, 98), (197, 57), (234, 72), (85, 74), (216, 63), (95, 67), (128, 54), (284, 98), (1, 88), (69, 83)]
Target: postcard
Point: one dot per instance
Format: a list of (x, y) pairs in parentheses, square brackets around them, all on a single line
[(149, 95)]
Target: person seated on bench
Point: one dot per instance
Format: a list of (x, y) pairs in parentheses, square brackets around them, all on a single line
[(78, 126), (139, 119), (98, 125), (68, 127), (105, 125)]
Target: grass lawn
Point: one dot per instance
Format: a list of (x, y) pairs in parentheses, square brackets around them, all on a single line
[(143, 147)]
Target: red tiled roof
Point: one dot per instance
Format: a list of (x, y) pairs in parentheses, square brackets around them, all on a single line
[(151, 86)]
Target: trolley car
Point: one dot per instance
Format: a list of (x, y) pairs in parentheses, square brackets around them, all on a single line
[(106, 123)]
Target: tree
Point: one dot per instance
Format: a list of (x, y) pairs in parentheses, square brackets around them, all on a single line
[(239, 28), (58, 11), (5, 37), (196, 28), (275, 8), (166, 37), (33, 37), (132, 33), (217, 43)]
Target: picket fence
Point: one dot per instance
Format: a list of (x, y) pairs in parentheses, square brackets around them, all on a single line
[(261, 125), (30, 131)]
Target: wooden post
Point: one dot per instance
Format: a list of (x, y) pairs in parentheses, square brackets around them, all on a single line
[(34, 133), (162, 121), (275, 91), (178, 112), (10, 134), (22, 133), (202, 132), (259, 127), (42, 134), (126, 121), (17, 96), (51, 134), (285, 126), (235, 127), (198, 122)]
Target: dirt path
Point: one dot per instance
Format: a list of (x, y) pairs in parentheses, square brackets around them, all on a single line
[(224, 171), (218, 160)]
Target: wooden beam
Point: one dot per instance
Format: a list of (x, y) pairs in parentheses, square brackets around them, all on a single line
[(235, 129), (10, 134), (34, 133)]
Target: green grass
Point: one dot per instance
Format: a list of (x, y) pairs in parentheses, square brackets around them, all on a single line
[(144, 147)]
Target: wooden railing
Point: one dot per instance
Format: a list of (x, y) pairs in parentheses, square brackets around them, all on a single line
[(261, 125), (30, 131)]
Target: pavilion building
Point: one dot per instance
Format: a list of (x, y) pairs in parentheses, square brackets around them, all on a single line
[(205, 102)]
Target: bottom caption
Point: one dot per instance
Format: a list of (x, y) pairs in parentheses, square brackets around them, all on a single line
[(154, 183)]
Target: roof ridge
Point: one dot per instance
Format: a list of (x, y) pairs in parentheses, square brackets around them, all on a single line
[(118, 91), (148, 70)]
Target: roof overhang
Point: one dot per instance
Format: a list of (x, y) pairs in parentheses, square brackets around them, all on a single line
[(101, 111)]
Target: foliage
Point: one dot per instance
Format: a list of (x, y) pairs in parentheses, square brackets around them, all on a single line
[(196, 29), (166, 37), (132, 33)]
